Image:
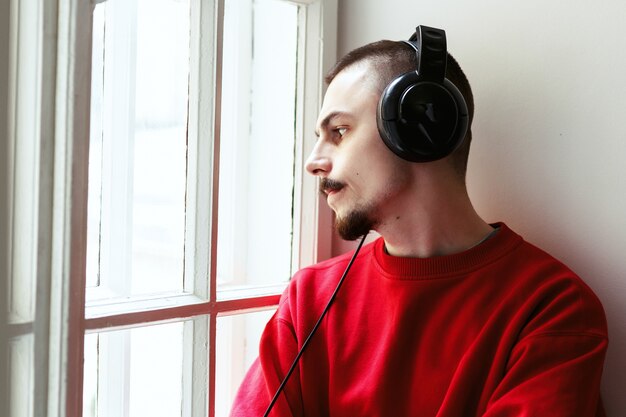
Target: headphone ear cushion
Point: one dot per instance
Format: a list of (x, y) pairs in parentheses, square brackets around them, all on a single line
[(422, 121)]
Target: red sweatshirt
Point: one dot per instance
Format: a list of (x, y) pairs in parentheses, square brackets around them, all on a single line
[(502, 329)]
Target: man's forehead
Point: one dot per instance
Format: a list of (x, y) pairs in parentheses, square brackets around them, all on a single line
[(346, 93), (359, 75)]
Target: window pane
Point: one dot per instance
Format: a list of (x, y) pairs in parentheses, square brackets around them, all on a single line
[(237, 347), (134, 373), (257, 142), (138, 144)]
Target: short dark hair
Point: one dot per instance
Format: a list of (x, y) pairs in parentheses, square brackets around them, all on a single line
[(389, 59)]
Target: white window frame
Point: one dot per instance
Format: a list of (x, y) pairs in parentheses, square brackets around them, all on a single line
[(55, 40), (5, 203)]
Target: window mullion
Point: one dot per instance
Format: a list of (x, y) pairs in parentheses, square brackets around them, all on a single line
[(201, 206), (203, 151), (195, 365)]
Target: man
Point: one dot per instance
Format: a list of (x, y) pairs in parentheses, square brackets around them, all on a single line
[(444, 314)]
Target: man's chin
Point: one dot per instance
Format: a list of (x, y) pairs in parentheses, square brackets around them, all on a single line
[(354, 225)]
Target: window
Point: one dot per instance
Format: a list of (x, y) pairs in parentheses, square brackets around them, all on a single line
[(163, 141)]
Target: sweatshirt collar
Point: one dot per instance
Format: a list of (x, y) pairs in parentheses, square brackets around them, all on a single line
[(449, 265)]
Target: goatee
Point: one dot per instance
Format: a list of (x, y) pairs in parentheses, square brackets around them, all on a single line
[(354, 225)]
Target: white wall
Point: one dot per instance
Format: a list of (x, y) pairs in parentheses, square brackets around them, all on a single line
[(549, 151)]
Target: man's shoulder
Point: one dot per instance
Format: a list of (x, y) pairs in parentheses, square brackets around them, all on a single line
[(554, 292), (322, 277), (339, 262), (311, 286), (546, 266)]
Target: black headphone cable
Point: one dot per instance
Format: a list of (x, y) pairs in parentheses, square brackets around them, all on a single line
[(319, 321)]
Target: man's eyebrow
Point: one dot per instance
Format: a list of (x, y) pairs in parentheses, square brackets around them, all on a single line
[(329, 117)]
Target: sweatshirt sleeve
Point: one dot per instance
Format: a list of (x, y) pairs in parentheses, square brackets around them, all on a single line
[(277, 350), (555, 368), (552, 375)]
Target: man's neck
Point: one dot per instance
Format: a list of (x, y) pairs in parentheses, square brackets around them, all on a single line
[(437, 242), (441, 225)]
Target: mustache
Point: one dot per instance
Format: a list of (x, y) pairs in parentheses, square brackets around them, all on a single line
[(327, 185)]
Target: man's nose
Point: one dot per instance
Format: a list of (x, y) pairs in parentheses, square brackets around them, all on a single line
[(319, 162)]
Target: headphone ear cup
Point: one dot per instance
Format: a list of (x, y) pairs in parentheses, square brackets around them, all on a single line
[(422, 121)]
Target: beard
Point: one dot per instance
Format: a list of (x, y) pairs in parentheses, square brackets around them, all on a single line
[(357, 222), (354, 225)]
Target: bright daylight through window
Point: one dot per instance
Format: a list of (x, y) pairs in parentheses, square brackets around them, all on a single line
[(162, 143), (195, 205)]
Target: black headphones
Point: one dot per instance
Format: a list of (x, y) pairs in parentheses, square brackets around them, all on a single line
[(421, 115)]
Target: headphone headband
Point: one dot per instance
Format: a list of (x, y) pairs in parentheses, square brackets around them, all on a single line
[(432, 55)]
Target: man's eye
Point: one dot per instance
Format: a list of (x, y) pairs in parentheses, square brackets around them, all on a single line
[(341, 130)]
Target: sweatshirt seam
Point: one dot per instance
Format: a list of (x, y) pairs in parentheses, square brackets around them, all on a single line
[(289, 326), (565, 333)]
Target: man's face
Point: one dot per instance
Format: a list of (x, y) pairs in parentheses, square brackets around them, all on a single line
[(360, 176)]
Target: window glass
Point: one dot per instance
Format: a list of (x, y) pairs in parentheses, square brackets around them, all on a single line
[(134, 373), (257, 142), (237, 347), (137, 166)]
